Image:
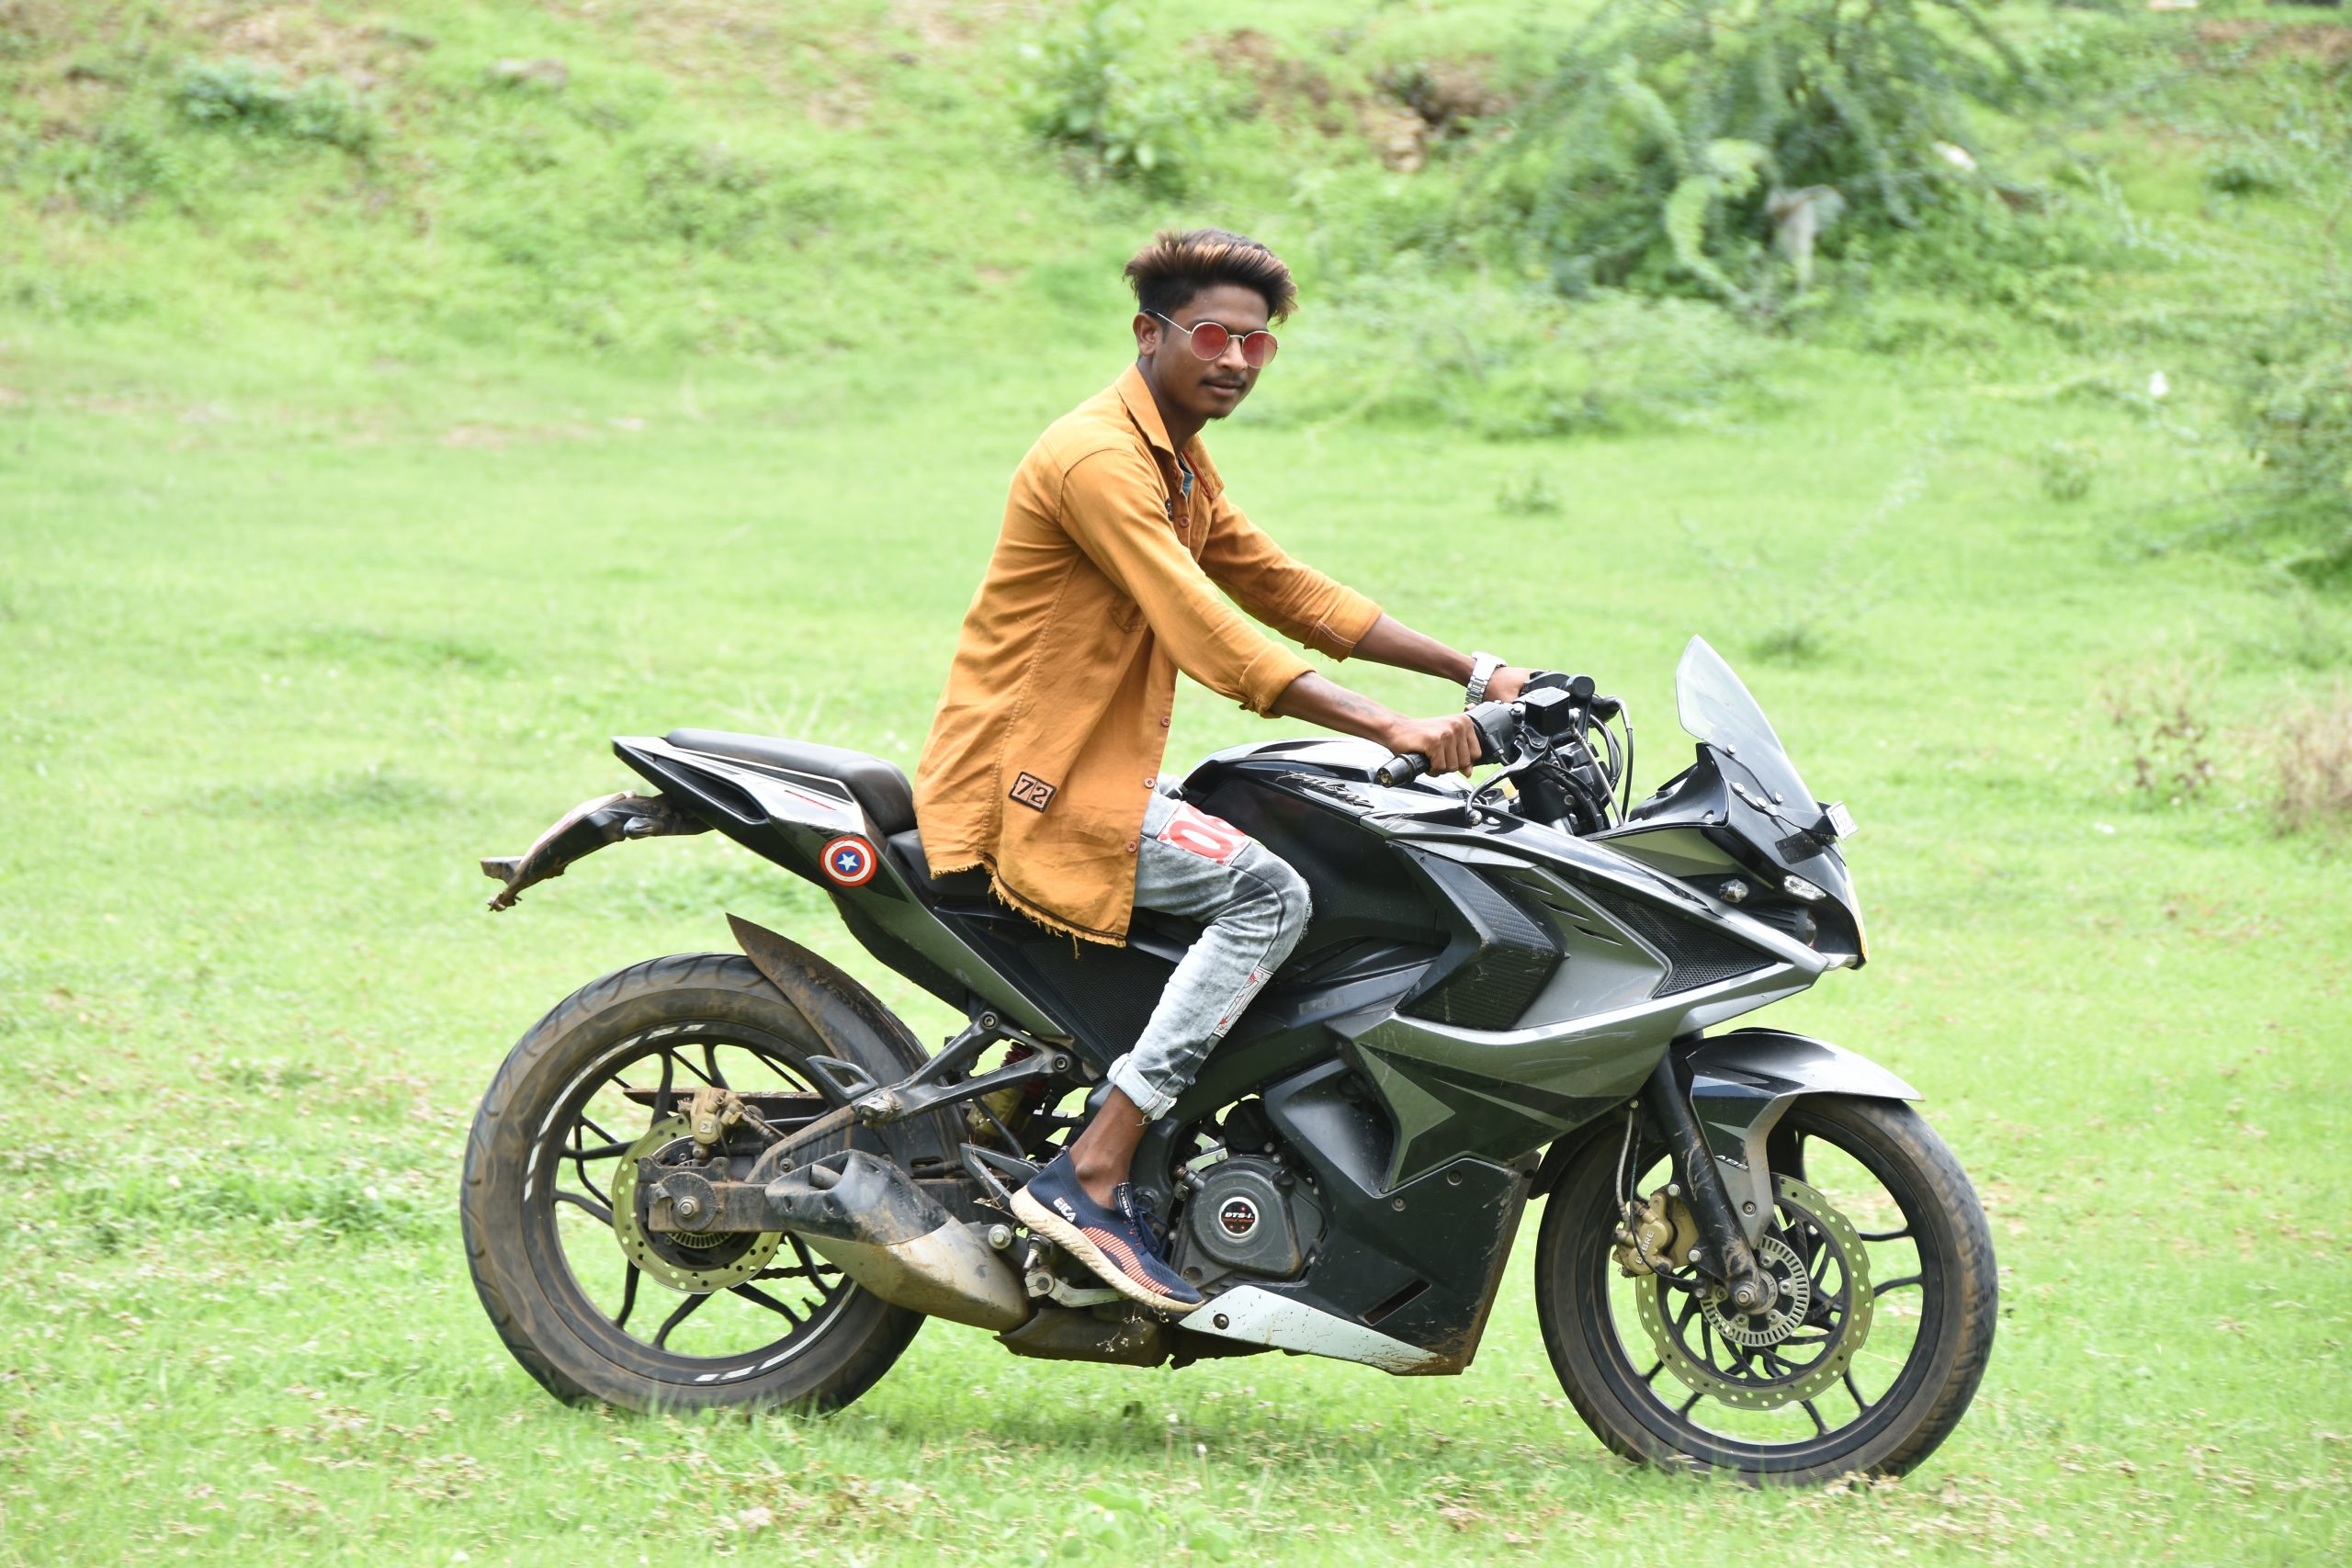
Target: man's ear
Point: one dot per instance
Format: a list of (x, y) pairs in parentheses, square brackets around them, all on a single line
[(1147, 331)]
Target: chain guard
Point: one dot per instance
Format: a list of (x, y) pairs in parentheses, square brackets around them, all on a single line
[(692, 1280), (1774, 1393)]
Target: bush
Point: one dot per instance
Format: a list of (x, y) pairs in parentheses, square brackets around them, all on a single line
[(255, 100), (1678, 147), (2068, 467), (2293, 408), (2313, 758), (1124, 100)]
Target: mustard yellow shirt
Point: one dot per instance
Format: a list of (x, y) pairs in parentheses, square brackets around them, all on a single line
[(1103, 583)]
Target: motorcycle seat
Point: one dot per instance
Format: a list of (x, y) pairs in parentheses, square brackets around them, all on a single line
[(907, 848), (879, 789)]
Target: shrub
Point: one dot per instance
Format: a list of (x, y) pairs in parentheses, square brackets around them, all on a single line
[(2313, 754), (1534, 495), (1125, 101), (2068, 468), (2293, 407), (1679, 146), (2160, 715), (109, 172), (255, 100)]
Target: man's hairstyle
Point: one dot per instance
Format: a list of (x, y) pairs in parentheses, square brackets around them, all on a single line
[(1176, 265)]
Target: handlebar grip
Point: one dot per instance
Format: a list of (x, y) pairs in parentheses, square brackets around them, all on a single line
[(1401, 769)]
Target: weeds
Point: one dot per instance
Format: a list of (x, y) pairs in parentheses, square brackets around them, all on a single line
[(2067, 469), (255, 100), (2168, 741), (1532, 495), (2312, 754)]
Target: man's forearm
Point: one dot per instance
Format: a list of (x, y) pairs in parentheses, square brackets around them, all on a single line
[(1319, 700), (1391, 641)]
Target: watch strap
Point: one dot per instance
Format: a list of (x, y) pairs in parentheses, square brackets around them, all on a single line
[(1482, 669)]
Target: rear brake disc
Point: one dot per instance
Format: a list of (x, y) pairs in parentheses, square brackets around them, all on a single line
[(722, 1271)]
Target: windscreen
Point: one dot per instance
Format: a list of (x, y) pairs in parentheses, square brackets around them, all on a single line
[(1716, 709)]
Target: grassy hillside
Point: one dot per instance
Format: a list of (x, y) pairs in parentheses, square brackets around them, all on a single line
[(368, 458)]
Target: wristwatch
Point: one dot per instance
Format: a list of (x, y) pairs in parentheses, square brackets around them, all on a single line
[(1482, 669)]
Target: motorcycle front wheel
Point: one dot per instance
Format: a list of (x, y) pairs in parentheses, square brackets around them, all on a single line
[(1870, 1354)]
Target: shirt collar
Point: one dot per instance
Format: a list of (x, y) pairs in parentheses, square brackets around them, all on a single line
[(1137, 395)]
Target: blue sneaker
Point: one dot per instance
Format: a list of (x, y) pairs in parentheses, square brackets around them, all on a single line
[(1115, 1243)]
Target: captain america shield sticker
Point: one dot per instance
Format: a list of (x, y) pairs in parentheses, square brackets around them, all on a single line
[(849, 861)]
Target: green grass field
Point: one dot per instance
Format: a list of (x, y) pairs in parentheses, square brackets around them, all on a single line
[(304, 610)]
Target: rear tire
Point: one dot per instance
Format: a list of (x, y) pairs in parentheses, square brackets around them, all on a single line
[(1599, 1354), (517, 1253)]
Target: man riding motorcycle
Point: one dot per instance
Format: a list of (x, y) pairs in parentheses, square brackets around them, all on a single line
[(1044, 756)]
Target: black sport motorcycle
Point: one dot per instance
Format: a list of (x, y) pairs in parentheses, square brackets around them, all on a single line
[(736, 1178)]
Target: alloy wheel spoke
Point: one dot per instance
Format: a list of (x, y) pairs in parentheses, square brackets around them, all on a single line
[(603, 1212), (1879, 1289), (669, 1056), (751, 1293), (1821, 1428), (1886, 1236), (710, 1060), (685, 1309), (809, 1265), (628, 1295), (1854, 1392)]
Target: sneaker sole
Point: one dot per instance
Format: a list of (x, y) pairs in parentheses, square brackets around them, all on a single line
[(1043, 1222)]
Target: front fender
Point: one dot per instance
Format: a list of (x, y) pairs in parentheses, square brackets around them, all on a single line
[(1740, 1083)]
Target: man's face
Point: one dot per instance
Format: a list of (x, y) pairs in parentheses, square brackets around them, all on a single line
[(1205, 388)]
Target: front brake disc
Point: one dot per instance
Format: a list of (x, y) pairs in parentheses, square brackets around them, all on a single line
[(1756, 1383), (694, 1279)]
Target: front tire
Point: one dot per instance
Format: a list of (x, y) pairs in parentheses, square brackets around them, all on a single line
[(555, 1274), (1916, 1308)]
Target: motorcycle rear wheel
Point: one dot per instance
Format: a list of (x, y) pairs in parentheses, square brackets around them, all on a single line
[(564, 1294), (1924, 1294)]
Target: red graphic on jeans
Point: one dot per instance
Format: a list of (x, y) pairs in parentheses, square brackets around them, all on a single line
[(1194, 830)]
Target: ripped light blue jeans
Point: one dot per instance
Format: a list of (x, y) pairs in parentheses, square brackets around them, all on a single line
[(1255, 908)]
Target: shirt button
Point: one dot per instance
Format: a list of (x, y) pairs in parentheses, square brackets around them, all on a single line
[(1131, 846)]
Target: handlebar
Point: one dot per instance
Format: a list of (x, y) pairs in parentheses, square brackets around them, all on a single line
[(1495, 724)]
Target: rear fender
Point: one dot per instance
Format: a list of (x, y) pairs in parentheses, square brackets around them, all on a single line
[(856, 1028)]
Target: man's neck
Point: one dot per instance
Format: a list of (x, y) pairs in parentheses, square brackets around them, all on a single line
[(1180, 427)]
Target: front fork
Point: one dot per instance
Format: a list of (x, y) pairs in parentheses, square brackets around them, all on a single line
[(1724, 1250)]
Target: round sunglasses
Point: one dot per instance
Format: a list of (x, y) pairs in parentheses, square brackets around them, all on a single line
[(1209, 340)]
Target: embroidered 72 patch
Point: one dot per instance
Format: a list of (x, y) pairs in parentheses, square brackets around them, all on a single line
[(1033, 792)]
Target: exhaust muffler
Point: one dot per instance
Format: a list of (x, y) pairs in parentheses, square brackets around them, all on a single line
[(867, 1216)]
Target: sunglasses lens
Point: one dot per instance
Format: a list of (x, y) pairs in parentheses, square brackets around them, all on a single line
[(1257, 349), (1209, 340)]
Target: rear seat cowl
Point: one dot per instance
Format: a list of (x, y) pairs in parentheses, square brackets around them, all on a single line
[(880, 790)]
